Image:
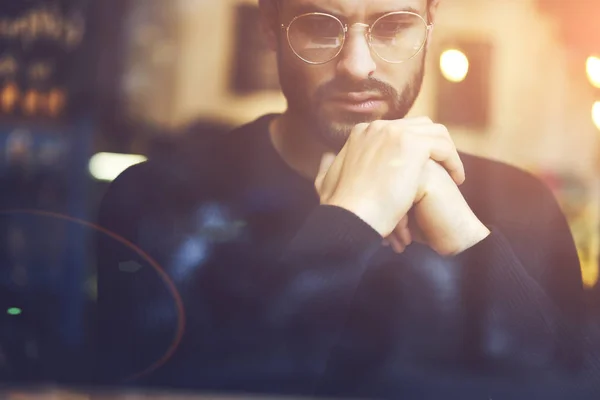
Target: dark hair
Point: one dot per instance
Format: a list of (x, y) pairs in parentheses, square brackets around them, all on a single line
[(273, 4)]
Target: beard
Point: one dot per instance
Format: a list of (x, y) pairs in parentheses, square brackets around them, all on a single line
[(334, 131)]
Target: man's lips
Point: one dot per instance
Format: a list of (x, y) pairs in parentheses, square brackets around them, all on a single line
[(356, 97), (358, 102)]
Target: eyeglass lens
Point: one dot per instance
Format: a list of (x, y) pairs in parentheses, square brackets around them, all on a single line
[(318, 38)]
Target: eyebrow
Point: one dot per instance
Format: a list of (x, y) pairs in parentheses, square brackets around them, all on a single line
[(311, 8)]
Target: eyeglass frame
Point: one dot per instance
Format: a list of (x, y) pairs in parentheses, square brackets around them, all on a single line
[(368, 35)]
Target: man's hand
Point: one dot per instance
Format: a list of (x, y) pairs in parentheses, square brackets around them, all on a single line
[(440, 217), (378, 173)]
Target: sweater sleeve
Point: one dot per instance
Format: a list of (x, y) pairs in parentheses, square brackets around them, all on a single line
[(126, 285), (524, 291), (301, 301), (316, 278)]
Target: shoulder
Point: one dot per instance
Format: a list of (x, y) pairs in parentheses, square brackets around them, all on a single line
[(201, 155), (500, 190), (125, 194), (200, 164), (497, 175)]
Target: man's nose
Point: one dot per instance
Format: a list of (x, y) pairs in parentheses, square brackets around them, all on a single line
[(356, 61)]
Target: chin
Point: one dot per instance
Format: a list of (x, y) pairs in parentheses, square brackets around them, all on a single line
[(335, 134), (335, 131)]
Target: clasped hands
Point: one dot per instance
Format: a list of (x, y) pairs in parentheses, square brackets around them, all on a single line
[(401, 177)]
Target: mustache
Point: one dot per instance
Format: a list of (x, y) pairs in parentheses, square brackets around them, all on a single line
[(372, 85)]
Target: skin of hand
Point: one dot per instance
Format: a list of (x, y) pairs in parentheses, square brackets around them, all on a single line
[(440, 218), (377, 174), (388, 168)]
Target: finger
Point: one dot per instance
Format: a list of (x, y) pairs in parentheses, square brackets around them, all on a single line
[(329, 172), (403, 222), (420, 120), (372, 128), (414, 121), (396, 244), (402, 232), (405, 236), (361, 128), (439, 144), (338, 162), (416, 233), (326, 162), (443, 151), (451, 162)]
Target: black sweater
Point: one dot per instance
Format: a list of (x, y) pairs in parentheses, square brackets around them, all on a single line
[(282, 295)]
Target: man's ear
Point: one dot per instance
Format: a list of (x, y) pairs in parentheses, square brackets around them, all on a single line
[(268, 22), (432, 10)]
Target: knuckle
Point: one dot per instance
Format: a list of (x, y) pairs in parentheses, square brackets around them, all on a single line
[(445, 152), (359, 128), (419, 149), (418, 120), (396, 127), (441, 128), (448, 142), (378, 126), (403, 138)]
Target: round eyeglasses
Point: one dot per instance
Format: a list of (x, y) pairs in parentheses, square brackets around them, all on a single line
[(396, 37)]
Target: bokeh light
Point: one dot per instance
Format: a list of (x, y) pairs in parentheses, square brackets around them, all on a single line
[(593, 70), (13, 311), (107, 166), (454, 65), (596, 114)]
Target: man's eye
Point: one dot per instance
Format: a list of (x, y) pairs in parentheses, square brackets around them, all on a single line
[(389, 29), (318, 27), (325, 29)]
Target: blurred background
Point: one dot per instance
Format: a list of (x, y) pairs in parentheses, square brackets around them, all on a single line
[(90, 87)]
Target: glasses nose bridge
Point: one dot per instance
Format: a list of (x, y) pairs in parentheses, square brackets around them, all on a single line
[(358, 27), (353, 51)]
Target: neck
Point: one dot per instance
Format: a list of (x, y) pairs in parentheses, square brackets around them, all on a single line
[(296, 145)]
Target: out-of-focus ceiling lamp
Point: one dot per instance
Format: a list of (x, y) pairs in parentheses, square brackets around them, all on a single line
[(454, 65)]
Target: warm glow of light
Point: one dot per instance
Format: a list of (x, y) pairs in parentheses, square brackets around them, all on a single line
[(107, 166), (596, 114), (454, 65), (593, 70)]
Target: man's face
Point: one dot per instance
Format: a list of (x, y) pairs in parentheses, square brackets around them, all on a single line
[(356, 86)]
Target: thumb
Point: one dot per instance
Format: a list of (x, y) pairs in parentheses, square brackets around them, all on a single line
[(326, 161), (414, 228)]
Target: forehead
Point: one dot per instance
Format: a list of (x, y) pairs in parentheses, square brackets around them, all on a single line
[(354, 9)]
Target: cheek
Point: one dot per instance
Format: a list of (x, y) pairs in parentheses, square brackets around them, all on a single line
[(313, 78), (400, 76), (302, 77)]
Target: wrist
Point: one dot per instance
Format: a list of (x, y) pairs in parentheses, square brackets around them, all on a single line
[(364, 210), (471, 234)]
